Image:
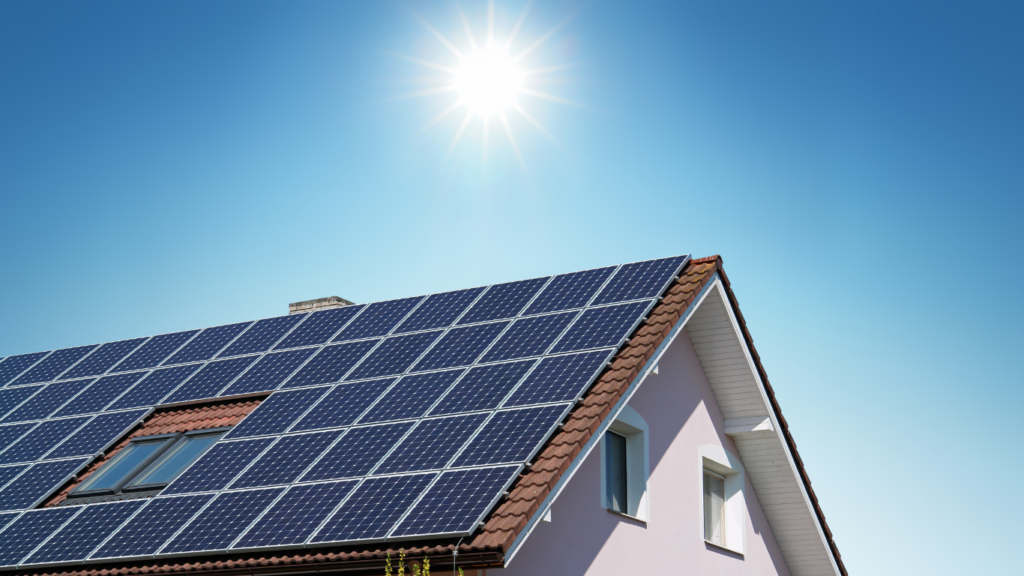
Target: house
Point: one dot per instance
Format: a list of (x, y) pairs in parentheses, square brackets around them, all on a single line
[(609, 421)]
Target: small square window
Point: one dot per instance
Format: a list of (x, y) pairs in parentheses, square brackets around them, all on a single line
[(616, 466), (714, 507)]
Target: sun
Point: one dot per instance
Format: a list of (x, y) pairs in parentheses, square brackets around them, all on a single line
[(488, 81)]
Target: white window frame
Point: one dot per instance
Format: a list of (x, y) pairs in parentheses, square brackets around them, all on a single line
[(630, 424), (720, 461)]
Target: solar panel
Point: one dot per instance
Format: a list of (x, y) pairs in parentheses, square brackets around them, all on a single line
[(319, 327), (53, 365), (503, 301), (218, 467), (41, 440), (377, 319), (9, 433), (100, 393), (296, 515), (460, 346), (14, 365), (372, 510), (431, 444), (640, 280), (482, 388), (11, 397), (154, 386), (560, 378), (286, 460), (357, 452), (49, 399), (343, 404), (411, 397), (511, 436), (6, 519), (269, 372), (277, 413), (601, 327), (207, 343), (330, 364), (36, 482), (439, 310), (103, 358), (569, 291), (211, 379), (394, 356), (76, 539), (529, 337), (97, 434), (456, 503), (224, 520), (24, 534), (262, 335), (147, 531), (8, 473), (155, 350)]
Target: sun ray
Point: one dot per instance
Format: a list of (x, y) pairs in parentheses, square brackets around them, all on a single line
[(427, 63), (444, 114), (483, 148), (547, 70), (546, 96), (512, 139), (440, 37), (490, 22), (518, 25), (469, 31), (540, 127), (427, 92), (539, 41), (458, 135)]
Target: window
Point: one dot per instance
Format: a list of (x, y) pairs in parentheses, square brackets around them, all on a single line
[(147, 463), (723, 511), (624, 466), (714, 507), (615, 483)]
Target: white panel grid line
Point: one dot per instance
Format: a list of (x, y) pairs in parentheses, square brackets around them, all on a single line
[(306, 543), (15, 377), (23, 434), (147, 371), (258, 518), (16, 476), (72, 474), (76, 363), (171, 354), (115, 531), (27, 398), (50, 537), (184, 525)]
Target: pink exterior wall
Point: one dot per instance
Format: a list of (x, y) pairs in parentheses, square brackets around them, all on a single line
[(584, 538)]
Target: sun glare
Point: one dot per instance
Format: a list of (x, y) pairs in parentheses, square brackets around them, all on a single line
[(488, 81)]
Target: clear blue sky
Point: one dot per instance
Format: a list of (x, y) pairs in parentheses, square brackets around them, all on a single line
[(170, 165)]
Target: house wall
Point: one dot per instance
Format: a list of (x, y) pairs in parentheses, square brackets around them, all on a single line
[(584, 538)]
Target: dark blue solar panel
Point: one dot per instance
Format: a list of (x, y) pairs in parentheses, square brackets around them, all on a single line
[(11, 432), (6, 518), (439, 310), (28, 531), (145, 533), (101, 360), (262, 335), (278, 412), (460, 346), (560, 378), (14, 365), (296, 515), (529, 337), (11, 397), (7, 473), (224, 520), (286, 460), (154, 351), (97, 434), (41, 440), (215, 469), (601, 327), (85, 532), (330, 364), (101, 393), (640, 280), (456, 502), (432, 444), (207, 343), (394, 355), (377, 319), (511, 436), (153, 387), (411, 397), (37, 482), (343, 404), (482, 388), (210, 380), (269, 372), (319, 327), (53, 365), (357, 452), (373, 508), (568, 291), (503, 301), (47, 401)]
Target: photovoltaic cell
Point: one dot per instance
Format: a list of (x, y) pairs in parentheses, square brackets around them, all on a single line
[(154, 351), (560, 378), (85, 532), (377, 319), (154, 386), (47, 401), (53, 365), (269, 372), (286, 460), (503, 301), (343, 404), (460, 346), (296, 515), (569, 291), (97, 434), (101, 360), (262, 335), (357, 452), (24, 534), (439, 310), (373, 508), (456, 501), (330, 364), (431, 444), (145, 533), (278, 412), (511, 436), (14, 365), (601, 327), (6, 518), (529, 337), (47, 435), (11, 397), (7, 473), (639, 280), (394, 355), (224, 520), (36, 482), (218, 467), (211, 379), (318, 327), (100, 393), (207, 343), (411, 397), (11, 432), (482, 388)]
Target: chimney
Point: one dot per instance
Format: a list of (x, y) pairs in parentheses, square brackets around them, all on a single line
[(318, 304)]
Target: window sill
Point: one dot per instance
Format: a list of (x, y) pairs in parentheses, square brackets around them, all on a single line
[(623, 514), (725, 548)]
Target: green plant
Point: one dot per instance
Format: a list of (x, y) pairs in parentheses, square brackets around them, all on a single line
[(387, 565)]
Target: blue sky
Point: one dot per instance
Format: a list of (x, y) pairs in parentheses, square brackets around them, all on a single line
[(171, 165)]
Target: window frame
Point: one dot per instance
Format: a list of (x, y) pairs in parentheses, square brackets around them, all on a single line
[(611, 470), (634, 428), (719, 461), (707, 472)]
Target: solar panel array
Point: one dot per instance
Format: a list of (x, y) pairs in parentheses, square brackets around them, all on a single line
[(398, 419)]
